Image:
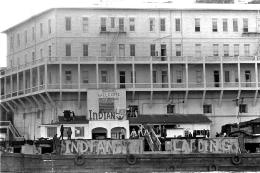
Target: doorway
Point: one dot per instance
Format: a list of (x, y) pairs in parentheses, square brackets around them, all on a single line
[(216, 78), (164, 79), (248, 78), (122, 79), (163, 52)]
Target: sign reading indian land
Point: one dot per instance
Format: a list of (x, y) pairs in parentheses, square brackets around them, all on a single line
[(208, 145), (102, 147)]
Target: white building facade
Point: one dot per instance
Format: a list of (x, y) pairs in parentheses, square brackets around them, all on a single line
[(168, 60)]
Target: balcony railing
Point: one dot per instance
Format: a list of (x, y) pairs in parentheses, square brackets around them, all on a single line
[(134, 86), (133, 59)]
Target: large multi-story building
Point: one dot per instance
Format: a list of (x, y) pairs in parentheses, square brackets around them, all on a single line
[(168, 60)]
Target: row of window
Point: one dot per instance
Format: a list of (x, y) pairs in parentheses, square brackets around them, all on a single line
[(178, 77), (121, 26), (104, 51), (171, 109)]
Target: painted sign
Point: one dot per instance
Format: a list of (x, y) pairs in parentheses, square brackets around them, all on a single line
[(208, 145), (117, 115), (102, 147), (107, 104)]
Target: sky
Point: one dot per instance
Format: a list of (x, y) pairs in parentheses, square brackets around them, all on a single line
[(13, 12)]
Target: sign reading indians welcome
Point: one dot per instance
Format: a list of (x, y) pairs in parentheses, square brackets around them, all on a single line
[(208, 145), (102, 147), (109, 104)]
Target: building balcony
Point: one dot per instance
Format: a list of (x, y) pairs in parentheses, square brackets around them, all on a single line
[(116, 29), (132, 60), (83, 87)]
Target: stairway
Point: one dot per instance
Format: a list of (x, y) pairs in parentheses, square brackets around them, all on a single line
[(10, 129), (152, 139)]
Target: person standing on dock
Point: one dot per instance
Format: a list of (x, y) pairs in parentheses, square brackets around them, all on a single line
[(69, 132), (61, 132)]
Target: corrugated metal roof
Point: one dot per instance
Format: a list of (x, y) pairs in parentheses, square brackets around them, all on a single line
[(170, 119)]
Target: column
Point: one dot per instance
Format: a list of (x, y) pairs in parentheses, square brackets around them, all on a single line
[(187, 74), (151, 75), (238, 73), (31, 83), (97, 76), (24, 82), (204, 74), (133, 71), (115, 74), (17, 83), (60, 75), (79, 76), (11, 84), (38, 78), (169, 75), (46, 75), (221, 72), (256, 73)]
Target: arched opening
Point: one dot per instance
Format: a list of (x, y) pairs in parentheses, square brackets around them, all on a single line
[(118, 133), (99, 133)]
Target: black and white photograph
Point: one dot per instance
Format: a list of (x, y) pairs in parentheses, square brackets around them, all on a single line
[(129, 86)]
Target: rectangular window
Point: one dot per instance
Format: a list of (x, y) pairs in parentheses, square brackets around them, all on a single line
[(121, 50), (103, 24), (121, 24), (178, 49), (85, 24), (18, 40), (113, 23), (85, 76), (198, 76), (225, 25), (79, 132), (162, 24), (207, 109), (152, 50), (226, 49), (25, 36), (152, 24), (51, 131), (243, 108), (236, 49), (33, 33), (198, 50), (49, 50), (85, 49), (245, 25), (170, 109), (154, 76), (131, 24), (49, 26), (214, 25), (103, 49), (68, 75), (68, 23), (215, 49), (227, 76), (177, 24), (68, 49), (235, 25), (104, 77), (247, 50), (41, 29), (179, 76), (132, 50), (197, 25)]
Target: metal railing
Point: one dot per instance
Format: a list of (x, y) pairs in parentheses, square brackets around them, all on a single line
[(133, 59)]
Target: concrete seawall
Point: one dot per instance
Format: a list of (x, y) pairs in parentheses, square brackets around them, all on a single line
[(119, 163)]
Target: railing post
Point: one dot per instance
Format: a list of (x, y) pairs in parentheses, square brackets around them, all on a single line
[(256, 73)]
